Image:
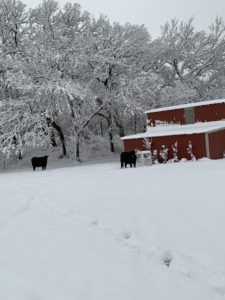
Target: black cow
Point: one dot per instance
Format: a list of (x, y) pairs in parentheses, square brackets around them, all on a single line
[(39, 162), (128, 158)]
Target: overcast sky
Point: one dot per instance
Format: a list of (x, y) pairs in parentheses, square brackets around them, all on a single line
[(152, 13)]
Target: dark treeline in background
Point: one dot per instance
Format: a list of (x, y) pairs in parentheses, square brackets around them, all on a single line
[(67, 78)]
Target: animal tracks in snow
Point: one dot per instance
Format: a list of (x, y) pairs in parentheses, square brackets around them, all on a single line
[(177, 263), (17, 212), (169, 260)]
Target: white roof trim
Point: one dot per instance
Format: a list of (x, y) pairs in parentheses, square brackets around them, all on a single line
[(171, 130), (193, 104)]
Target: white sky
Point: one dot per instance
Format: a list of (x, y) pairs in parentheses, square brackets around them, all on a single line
[(152, 13)]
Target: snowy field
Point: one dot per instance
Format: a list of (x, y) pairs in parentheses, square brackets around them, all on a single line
[(96, 232)]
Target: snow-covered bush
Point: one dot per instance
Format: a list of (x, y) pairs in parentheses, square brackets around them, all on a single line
[(155, 157), (147, 156), (190, 151), (148, 144), (163, 153), (175, 152)]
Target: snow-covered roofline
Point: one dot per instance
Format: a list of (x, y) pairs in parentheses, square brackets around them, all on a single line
[(171, 130), (201, 103)]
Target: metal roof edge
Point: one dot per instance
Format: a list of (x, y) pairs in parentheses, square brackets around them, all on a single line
[(215, 130), (180, 106), (170, 134)]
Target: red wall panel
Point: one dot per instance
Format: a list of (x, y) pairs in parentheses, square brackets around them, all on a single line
[(175, 116), (212, 112), (217, 144), (204, 113), (198, 144)]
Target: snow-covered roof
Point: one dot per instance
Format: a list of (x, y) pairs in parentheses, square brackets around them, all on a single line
[(201, 103), (169, 130)]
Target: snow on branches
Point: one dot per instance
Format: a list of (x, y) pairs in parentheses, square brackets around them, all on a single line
[(148, 160), (163, 153), (68, 76), (190, 151), (175, 152)]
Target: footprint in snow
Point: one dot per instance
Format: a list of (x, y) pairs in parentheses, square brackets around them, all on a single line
[(126, 235), (167, 259)]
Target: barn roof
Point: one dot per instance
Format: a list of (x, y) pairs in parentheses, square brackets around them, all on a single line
[(201, 103), (170, 130)]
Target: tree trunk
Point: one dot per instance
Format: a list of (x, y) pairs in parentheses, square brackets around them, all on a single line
[(135, 123), (52, 138), (20, 155), (121, 129), (52, 134), (111, 141), (78, 148), (108, 118), (61, 136), (110, 123), (101, 127), (15, 143)]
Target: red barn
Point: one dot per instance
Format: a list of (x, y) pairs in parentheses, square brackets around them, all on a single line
[(201, 123), (205, 111), (208, 139)]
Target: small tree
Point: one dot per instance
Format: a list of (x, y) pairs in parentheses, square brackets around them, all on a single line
[(175, 151), (164, 153), (148, 145), (190, 151), (155, 157)]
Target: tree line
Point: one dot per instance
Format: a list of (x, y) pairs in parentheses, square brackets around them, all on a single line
[(69, 78)]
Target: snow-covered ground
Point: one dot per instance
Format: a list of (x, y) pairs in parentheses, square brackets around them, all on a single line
[(96, 232)]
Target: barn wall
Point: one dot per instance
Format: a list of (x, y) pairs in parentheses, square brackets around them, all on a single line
[(212, 112), (204, 113), (198, 144), (175, 116), (217, 144)]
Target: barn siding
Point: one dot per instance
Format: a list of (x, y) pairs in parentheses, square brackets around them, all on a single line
[(217, 144), (175, 116), (208, 113), (198, 144), (204, 113)]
